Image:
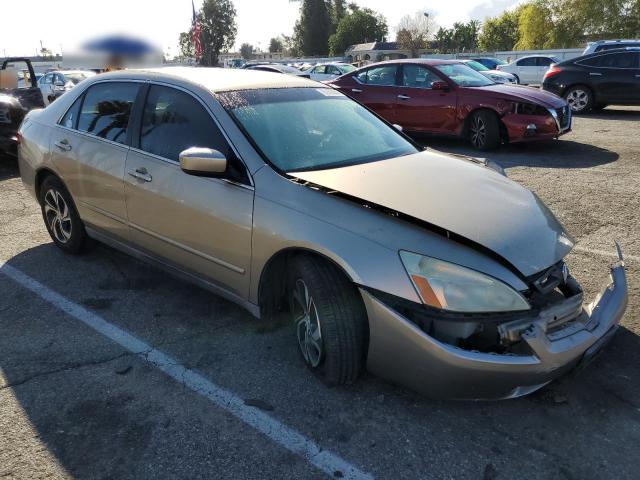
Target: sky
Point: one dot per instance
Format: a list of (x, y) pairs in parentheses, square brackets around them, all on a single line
[(70, 23)]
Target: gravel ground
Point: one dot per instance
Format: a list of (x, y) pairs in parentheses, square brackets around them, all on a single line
[(75, 404)]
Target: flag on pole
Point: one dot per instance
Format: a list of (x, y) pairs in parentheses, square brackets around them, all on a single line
[(195, 33)]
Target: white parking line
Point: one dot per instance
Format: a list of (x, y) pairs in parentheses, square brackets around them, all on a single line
[(606, 253), (264, 423)]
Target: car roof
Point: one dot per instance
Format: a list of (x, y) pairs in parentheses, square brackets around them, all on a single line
[(71, 71), (217, 79), (424, 61), (536, 55), (601, 42)]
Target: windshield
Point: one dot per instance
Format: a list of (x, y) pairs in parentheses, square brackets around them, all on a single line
[(313, 128), (463, 75), (477, 66), (346, 68), (77, 77)]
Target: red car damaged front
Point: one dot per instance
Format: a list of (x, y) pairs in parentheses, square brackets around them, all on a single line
[(447, 97)]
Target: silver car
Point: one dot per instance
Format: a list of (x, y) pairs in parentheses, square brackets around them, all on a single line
[(283, 195)]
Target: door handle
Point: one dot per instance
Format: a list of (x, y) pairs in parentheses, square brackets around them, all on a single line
[(141, 174), (595, 74), (356, 90), (404, 97), (63, 145)]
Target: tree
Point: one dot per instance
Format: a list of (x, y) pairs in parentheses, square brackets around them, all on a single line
[(414, 31), (312, 29), (275, 45), (444, 40), (534, 26), (464, 36), (186, 45), (338, 11), (499, 33), (246, 51), (358, 26), (218, 29)]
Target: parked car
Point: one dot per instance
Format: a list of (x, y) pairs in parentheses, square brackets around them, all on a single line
[(278, 68), (496, 75), (529, 70), (53, 84), (329, 71), (282, 194), (490, 63), (602, 45), (16, 100), (591, 82), (446, 97)]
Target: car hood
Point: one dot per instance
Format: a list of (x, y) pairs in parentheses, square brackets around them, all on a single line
[(522, 92), (464, 197), (498, 73)]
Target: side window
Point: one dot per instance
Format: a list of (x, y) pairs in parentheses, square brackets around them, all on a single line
[(527, 62), (385, 75), (321, 69), (592, 62), (621, 60), (418, 77), (544, 61), (173, 121), (332, 70), (47, 78), (106, 109), (70, 118), (362, 76)]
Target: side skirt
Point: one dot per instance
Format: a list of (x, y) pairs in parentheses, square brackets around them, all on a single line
[(177, 272)]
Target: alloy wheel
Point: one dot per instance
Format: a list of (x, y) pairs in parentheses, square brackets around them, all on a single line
[(578, 100), (478, 132), (307, 324), (57, 215)]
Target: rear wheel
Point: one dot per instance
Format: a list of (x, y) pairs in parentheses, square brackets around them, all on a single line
[(61, 217), (579, 98), (517, 78), (329, 318), (484, 130)]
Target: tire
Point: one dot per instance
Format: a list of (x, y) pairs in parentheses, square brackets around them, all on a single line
[(517, 78), (484, 130), (61, 217), (579, 98), (334, 319)]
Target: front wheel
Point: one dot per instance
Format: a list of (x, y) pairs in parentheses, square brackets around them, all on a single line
[(61, 217), (329, 318), (484, 130), (579, 98)]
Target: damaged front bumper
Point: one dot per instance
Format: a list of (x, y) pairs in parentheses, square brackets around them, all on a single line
[(401, 352)]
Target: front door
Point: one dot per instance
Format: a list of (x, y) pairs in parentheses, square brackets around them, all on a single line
[(200, 224), (421, 109), (89, 149)]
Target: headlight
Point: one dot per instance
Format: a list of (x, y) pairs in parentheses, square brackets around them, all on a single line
[(529, 109), (498, 78), (448, 286)]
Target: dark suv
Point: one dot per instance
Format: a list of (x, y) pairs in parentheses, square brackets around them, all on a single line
[(592, 82)]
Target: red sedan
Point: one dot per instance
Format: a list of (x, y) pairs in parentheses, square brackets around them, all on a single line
[(446, 97)]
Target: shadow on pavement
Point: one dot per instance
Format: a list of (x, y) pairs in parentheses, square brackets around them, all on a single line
[(544, 154), (613, 113), (105, 415)]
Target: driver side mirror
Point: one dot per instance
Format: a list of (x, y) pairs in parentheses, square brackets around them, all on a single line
[(440, 85), (204, 162)]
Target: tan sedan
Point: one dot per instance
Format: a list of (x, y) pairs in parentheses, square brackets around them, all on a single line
[(282, 194)]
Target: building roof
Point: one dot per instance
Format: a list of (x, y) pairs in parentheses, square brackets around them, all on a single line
[(373, 46)]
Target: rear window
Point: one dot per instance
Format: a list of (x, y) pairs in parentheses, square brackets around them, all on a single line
[(106, 109), (613, 46)]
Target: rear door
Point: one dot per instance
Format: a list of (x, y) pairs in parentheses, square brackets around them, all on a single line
[(201, 224), (89, 149), (543, 64), (527, 69), (318, 73), (377, 88), (421, 109)]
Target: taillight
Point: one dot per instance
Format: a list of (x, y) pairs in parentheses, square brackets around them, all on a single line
[(18, 138), (553, 70)]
